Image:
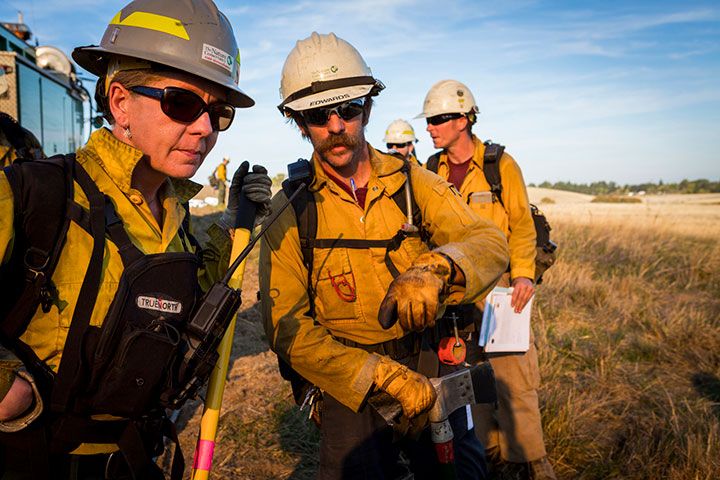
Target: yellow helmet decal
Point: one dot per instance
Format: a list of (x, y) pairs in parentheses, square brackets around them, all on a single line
[(152, 21)]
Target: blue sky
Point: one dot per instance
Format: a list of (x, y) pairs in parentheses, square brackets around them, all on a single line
[(579, 91)]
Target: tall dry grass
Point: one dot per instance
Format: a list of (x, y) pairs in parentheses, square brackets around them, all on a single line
[(628, 330)]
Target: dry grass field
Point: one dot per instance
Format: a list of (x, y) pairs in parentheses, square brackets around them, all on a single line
[(628, 328)]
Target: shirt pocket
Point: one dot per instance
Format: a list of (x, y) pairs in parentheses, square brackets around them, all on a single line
[(482, 204), (335, 287)]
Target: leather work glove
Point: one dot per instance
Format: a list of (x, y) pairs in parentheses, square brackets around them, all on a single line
[(413, 390), (249, 199), (415, 295)]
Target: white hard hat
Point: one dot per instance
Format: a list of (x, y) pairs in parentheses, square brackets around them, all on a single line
[(323, 70), (448, 96), (399, 131)]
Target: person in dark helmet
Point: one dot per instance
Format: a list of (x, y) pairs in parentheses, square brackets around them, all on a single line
[(17, 142)]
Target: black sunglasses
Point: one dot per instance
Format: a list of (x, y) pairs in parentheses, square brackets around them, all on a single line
[(398, 145), (186, 106), (442, 118), (347, 111)]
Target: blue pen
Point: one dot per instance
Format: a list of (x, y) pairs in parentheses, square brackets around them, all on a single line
[(352, 186)]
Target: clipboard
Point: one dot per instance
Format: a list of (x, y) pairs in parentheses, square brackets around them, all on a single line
[(502, 329)]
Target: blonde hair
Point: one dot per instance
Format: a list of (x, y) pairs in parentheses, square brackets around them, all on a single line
[(126, 78)]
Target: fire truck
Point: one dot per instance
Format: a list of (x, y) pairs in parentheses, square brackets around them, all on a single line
[(40, 89)]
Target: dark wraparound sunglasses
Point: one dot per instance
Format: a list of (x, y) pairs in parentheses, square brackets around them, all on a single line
[(186, 106), (442, 118), (398, 145), (347, 111)]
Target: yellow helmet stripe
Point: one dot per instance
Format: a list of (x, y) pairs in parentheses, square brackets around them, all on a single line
[(152, 21)]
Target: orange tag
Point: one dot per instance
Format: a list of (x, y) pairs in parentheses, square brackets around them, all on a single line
[(452, 351)]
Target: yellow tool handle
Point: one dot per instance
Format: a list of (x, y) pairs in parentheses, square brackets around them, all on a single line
[(202, 462)]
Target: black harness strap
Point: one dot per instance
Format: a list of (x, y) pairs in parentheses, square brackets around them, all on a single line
[(491, 169), (433, 162), (70, 364)]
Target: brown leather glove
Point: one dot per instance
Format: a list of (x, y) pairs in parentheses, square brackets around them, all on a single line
[(415, 295), (413, 390)]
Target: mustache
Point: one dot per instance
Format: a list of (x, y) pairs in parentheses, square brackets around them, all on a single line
[(338, 140)]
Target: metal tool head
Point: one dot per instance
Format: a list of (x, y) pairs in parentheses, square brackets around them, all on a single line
[(464, 387)]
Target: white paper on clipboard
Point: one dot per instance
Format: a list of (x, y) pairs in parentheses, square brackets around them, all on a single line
[(502, 329)]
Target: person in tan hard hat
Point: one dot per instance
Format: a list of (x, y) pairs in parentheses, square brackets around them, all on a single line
[(512, 433), (97, 317), (325, 284), (400, 138)]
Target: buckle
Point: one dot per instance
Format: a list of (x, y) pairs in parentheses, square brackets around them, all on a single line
[(34, 253)]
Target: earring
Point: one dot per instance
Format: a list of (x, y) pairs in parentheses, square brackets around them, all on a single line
[(127, 133)]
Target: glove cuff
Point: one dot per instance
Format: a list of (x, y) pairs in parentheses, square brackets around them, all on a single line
[(27, 417), (437, 263)]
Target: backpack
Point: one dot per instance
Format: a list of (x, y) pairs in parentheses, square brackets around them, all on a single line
[(213, 181), (545, 248)]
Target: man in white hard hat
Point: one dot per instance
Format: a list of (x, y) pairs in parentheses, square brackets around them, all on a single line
[(513, 433), (400, 138), (347, 256)]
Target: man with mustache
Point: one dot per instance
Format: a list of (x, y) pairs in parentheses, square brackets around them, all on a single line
[(349, 255)]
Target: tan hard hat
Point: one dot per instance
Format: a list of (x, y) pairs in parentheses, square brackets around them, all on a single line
[(192, 36), (448, 96), (324, 69), (399, 131)]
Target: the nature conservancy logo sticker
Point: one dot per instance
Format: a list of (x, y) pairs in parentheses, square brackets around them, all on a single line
[(159, 304), (217, 56)]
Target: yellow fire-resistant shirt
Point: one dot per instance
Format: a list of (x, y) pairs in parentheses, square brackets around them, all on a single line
[(306, 343), (515, 219), (110, 163), (221, 172)]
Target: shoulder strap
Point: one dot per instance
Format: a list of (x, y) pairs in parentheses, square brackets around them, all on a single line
[(306, 216), (433, 162), (99, 217), (41, 191), (491, 169)]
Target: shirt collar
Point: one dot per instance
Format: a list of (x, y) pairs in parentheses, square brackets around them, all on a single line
[(383, 166), (118, 160)]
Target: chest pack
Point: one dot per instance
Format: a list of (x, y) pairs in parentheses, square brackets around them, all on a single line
[(157, 344), (545, 248)]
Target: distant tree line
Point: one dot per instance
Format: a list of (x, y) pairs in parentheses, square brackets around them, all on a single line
[(611, 188)]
